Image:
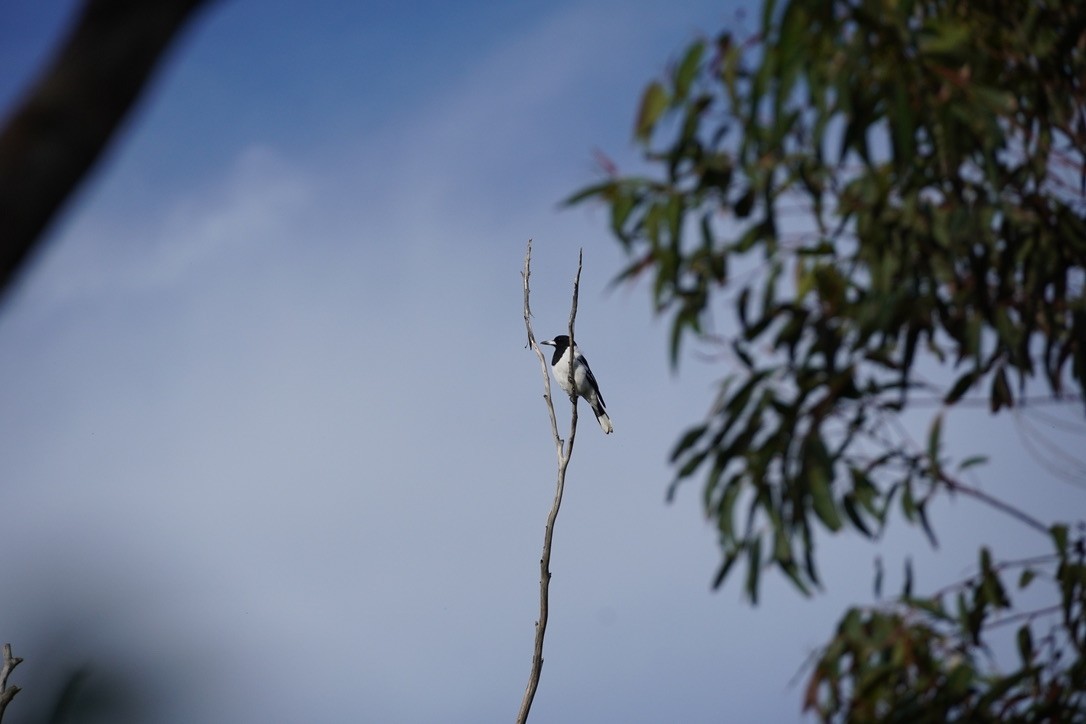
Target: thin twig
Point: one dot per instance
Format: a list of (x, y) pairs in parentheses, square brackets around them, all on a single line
[(7, 693), (564, 452), (525, 275), (1021, 402), (1020, 515), (573, 353), (1027, 616)]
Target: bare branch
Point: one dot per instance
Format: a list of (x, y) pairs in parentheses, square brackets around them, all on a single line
[(1027, 616), (976, 493), (572, 352), (1021, 402), (7, 693), (564, 453), (526, 275)]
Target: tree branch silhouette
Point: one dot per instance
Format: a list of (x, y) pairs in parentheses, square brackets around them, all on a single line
[(68, 118)]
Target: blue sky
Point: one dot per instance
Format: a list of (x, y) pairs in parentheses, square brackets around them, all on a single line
[(273, 448)]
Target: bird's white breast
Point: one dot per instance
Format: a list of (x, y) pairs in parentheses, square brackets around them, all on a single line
[(561, 374)]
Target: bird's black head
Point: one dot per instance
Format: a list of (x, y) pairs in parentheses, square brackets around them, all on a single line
[(560, 344)]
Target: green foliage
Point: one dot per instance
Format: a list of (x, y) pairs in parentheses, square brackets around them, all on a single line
[(879, 184), (923, 659)]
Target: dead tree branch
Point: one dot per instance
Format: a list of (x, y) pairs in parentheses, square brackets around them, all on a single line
[(564, 451), (7, 693)]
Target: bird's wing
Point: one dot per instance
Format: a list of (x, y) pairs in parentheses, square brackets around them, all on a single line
[(591, 378)]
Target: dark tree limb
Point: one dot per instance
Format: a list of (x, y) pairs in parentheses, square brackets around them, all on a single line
[(67, 119)]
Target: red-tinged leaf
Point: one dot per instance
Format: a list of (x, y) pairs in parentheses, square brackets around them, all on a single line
[(810, 696)]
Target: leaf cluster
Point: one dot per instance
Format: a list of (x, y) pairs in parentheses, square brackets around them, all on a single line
[(927, 659), (872, 191), (929, 150)]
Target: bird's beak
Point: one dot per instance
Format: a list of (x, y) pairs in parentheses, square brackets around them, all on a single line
[(548, 342)]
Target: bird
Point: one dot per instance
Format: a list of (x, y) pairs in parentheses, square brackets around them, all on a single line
[(583, 379)]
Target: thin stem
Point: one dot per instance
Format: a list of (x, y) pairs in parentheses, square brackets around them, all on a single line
[(572, 354), (1027, 616), (1021, 516), (526, 275)]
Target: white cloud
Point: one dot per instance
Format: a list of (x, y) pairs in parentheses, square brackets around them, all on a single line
[(239, 212)]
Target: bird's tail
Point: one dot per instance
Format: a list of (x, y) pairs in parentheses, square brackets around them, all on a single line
[(603, 419)]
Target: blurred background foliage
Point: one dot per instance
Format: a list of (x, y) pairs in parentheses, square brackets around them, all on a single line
[(887, 201)]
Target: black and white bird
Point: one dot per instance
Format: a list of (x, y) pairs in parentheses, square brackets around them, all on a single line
[(585, 381)]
